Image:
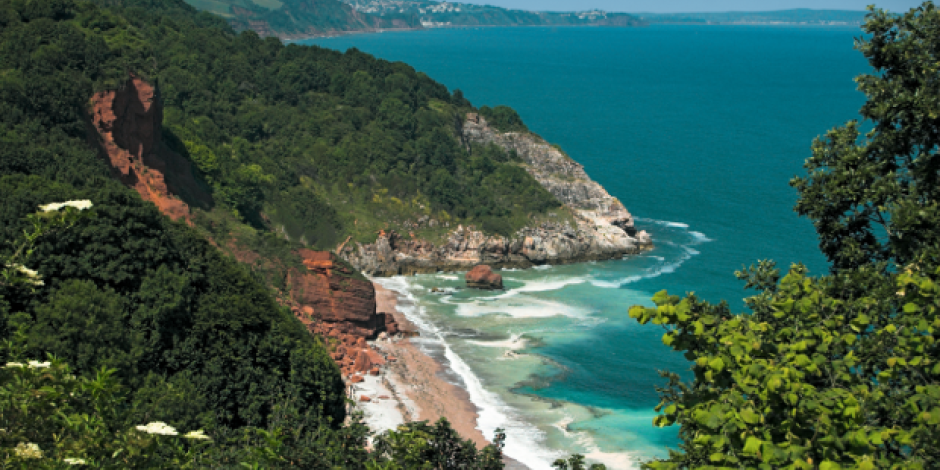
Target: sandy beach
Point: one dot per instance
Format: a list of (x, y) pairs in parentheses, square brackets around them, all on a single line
[(411, 387), (413, 380)]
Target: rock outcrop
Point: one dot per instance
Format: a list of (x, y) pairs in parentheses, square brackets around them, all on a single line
[(126, 126), (483, 277), (333, 302), (603, 227)]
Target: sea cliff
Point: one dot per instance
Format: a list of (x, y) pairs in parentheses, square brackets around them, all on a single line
[(602, 228)]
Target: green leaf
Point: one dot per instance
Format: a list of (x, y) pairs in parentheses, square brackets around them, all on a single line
[(661, 298), (717, 364), (749, 416), (752, 445)]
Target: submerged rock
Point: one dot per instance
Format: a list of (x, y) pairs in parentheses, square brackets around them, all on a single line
[(483, 277)]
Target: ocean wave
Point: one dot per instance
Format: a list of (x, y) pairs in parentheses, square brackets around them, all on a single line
[(651, 272), (697, 237), (540, 285), (613, 460), (665, 223), (448, 277), (700, 237), (529, 307), (514, 343), (524, 442)]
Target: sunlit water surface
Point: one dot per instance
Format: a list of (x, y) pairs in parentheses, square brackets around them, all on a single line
[(698, 131)]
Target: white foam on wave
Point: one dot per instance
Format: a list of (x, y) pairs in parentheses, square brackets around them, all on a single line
[(541, 285), (447, 277), (613, 460), (524, 442), (543, 267), (665, 223), (514, 343), (651, 272), (522, 307), (700, 237)]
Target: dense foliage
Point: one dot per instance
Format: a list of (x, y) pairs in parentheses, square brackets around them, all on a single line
[(504, 119), (323, 144), (311, 142), (127, 289), (300, 18), (90, 421), (843, 370)]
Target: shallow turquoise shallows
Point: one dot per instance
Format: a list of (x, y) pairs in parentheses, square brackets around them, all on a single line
[(698, 130)]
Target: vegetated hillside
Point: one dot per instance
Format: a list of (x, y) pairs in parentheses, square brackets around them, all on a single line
[(128, 289), (796, 16), (289, 146), (465, 14), (300, 18), (197, 339), (291, 19)]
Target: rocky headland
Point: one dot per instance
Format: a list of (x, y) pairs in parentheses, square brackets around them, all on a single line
[(603, 228)]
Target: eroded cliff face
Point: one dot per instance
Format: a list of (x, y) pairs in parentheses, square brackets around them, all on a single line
[(126, 125), (327, 296), (604, 228), (333, 303)]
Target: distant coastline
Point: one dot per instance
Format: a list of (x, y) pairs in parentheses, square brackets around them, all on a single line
[(334, 34)]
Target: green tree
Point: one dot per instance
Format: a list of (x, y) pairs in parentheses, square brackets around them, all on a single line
[(873, 198), (424, 446), (576, 462), (840, 371)]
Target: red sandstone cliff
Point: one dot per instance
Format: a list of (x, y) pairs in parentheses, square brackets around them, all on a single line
[(126, 125), (333, 303)]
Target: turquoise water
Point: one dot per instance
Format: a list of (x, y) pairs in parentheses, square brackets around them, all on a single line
[(698, 131)]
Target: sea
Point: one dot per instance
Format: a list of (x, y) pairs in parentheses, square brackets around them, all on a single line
[(698, 131)]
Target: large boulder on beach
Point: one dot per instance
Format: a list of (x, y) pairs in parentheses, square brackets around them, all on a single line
[(483, 277)]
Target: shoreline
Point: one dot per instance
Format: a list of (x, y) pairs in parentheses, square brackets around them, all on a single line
[(336, 34), (413, 381), (412, 387)]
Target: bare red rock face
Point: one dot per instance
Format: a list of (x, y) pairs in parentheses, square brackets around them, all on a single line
[(126, 126), (483, 277), (338, 306)]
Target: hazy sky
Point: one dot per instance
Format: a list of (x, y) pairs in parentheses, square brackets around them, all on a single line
[(656, 6)]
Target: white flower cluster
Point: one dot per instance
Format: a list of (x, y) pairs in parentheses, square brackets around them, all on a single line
[(163, 429), (75, 461), (31, 276), (158, 427), (30, 364), (56, 206), (28, 450), (200, 434)]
